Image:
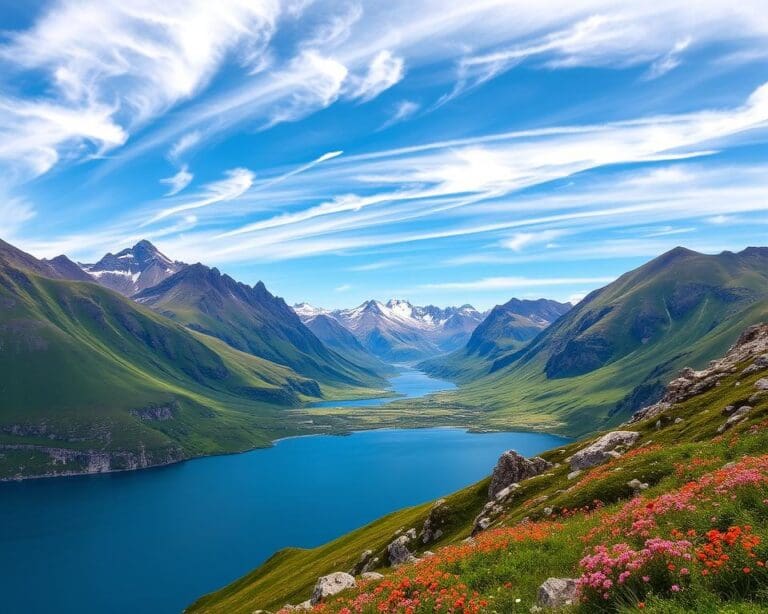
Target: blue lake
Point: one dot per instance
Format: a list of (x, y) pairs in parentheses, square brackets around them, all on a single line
[(409, 383), (154, 540)]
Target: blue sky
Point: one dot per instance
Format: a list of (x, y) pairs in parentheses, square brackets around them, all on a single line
[(445, 152)]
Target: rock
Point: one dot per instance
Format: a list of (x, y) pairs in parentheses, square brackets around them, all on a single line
[(557, 593), (482, 524), (737, 416), (755, 398), (762, 383), (512, 468), (427, 553), (637, 484), (574, 474), (753, 368), (548, 511), (436, 520), (331, 585), (505, 492), (411, 533), (597, 452), (365, 563), (372, 575), (751, 344), (728, 410), (398, 552), (678, 420)]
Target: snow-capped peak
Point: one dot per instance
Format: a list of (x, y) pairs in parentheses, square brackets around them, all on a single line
[(305, 310)]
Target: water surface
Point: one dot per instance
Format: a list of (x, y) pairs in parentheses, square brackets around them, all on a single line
[(153, 541), (408, 384)]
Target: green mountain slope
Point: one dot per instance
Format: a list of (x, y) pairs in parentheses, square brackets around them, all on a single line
[(507, 327), (614, 351), (685, 482), (92, 381), (337, 338), (252, 320)]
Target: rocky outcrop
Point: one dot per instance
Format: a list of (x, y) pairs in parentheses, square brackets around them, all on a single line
[(68, 461), (156, 413), (436, 520), (557, 593), (398, 550), (512, 468), (735, 417), (751, 345), (329, 585), (603, 450)]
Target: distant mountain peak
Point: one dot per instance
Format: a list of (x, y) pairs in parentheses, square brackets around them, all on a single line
[(133, 269), (399, 330)]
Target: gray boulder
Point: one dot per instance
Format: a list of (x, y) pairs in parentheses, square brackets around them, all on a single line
[(557, 593), (331, 585), (372, 575), (398, 551), (736, 417), (599, 452), (435, 522), (512, 468), (762, 383)]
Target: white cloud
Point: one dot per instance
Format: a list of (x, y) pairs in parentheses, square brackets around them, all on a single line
[(670, 60), (384, 71), (315, 82), (403, 110), (514, 283), (721, 219), (14, 213), (184, 144), (112, 65), (342, 288), (236, 183), (523, 239), (179, 181)]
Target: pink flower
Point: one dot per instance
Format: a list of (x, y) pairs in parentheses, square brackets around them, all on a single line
[(674, 588)]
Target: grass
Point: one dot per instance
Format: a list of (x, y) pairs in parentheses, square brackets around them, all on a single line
[(80, 361), (667, 458)]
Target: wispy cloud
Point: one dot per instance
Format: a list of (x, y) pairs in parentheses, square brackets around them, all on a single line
[(113, 66), (515, 283), (184, 144), (384, 71), (520, 240), (403, 110), (342, 288), (236, 183), (179, 181)]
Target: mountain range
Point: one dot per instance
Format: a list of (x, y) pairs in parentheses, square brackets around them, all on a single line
[(397, 331), (252, 320), (94, 381), (199, 363), (615, 350), (506, 327)]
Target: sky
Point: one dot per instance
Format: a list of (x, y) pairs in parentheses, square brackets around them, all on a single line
[(444, 152)]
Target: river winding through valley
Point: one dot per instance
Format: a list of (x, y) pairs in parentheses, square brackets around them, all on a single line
[(153, 541)]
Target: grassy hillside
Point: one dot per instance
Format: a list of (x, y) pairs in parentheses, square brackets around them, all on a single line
[(93, 381), (337, 338), (250, 319), (690, 535), (507, 328), (616, 349)]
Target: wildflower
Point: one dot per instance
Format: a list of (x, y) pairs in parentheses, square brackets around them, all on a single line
[(675, 588)]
